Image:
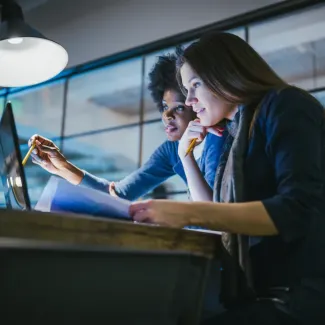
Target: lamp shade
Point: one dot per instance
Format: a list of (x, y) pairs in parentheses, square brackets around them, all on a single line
[(26, 56)]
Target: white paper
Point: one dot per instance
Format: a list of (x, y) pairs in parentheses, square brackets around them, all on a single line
[(61, 196), (45, 201)]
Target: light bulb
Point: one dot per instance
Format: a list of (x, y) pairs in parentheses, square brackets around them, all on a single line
[(15, 40)]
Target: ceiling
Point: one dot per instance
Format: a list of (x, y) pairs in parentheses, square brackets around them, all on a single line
[(59, 12), (28, 5)]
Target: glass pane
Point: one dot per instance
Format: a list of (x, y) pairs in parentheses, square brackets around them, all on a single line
[(150, 108), (238, 31), (38, 110), (110, 155), (104, 98), (294, 46), (2, 200), (185, 45), (320, 96), (2, 196), (3, 91), (2, 103), (153, 136)]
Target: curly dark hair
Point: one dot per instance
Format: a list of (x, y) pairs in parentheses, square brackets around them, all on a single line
[(163, 77)]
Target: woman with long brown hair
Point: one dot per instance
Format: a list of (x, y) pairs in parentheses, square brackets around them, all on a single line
[(269, 184)]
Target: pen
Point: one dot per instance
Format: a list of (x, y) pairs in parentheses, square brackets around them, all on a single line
[(28, 153), (191, 146)]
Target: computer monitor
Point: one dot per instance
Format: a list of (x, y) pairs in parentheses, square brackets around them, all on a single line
[(11, 168)]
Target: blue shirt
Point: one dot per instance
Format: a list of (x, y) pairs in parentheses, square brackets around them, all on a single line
[(285, 169), (163, 164)]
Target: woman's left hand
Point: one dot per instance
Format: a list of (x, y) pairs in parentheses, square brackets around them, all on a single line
[(162, 212)]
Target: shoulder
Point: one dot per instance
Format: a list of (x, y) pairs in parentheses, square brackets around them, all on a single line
[(169, 145), (168, 149), (290, 102)]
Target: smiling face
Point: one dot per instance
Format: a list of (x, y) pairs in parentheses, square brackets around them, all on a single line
[(209, 108), (176, 115)]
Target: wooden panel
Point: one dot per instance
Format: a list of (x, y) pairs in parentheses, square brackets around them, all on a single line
[(84, 230)]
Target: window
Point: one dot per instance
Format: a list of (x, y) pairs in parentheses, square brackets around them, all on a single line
[(110, 155), (320, 96), (294, 46), (2, 103), (38, 110), (104, 98), (238, 31)]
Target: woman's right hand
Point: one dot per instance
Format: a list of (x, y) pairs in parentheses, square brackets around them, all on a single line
[(47, 155), (194, 131)]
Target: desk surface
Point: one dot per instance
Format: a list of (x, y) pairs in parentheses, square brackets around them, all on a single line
[(83, 230)]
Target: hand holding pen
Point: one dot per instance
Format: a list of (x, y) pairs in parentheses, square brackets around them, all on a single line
[(194, 135), (45, 154)]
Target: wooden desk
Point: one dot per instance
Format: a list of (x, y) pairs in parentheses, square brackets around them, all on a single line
[(89, 267), (83, 230)]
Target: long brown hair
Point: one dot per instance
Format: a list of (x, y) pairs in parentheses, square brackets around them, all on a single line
[(230, 68)]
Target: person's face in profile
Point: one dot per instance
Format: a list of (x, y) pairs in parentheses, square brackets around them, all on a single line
[(209, 108), (176, 115)]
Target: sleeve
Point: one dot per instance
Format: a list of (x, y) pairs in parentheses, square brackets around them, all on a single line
[(212, 157), (94, 182), (155, 171), (294, 131)]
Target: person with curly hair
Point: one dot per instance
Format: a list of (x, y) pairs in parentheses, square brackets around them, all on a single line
[(163, 163)]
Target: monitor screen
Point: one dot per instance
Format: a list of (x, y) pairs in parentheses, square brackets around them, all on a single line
[(11, 168)]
